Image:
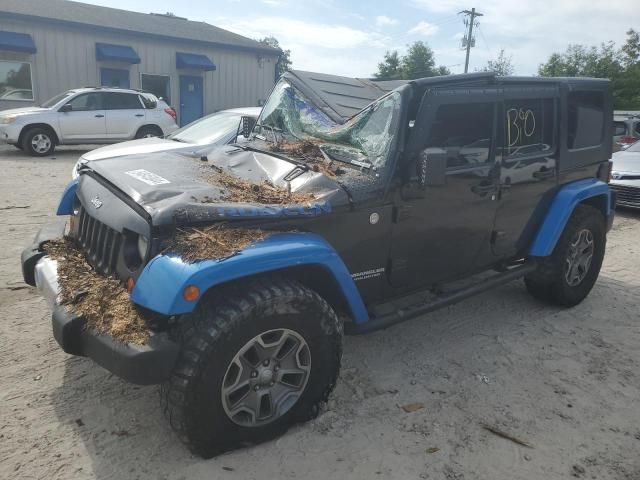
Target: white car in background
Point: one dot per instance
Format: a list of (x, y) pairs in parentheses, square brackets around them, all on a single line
[(213, 130), (87, 115)]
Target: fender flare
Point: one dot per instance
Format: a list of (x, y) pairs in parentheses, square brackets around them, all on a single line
[(161, 284), (65, 207), (562, 207)]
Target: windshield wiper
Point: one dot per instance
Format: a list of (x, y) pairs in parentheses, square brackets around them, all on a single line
[(333, 157)]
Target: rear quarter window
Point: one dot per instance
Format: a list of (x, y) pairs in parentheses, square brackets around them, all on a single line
[(150, 101), (586, 119)]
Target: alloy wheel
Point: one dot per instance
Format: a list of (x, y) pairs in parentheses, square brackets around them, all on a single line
[(266, 377), (579, 257), (41, 143)]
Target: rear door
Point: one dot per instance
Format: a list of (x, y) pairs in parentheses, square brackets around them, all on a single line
[(125, 115), (527, 151), (443, 232), (86, 120)]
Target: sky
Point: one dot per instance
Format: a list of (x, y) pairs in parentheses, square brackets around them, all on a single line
[(349, 37)]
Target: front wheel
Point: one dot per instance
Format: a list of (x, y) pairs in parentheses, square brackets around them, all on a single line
[(567, 276), (254, 361), (38, 142)]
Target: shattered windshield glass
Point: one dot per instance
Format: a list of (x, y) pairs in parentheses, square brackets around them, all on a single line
[(364, 140)]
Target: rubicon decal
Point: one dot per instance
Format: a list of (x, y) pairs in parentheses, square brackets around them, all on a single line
[(376, 272)]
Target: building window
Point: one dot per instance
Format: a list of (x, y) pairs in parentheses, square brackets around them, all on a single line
[(159, 85), (15, 81)]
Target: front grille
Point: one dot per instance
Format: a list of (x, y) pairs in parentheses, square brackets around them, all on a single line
[(626, 195), (100, 243)]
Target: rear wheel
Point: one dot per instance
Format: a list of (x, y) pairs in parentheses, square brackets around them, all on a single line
[(567, 276), (149, 131), (38, 142), (254, 361)]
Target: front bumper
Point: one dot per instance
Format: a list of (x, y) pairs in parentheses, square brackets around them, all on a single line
[(141, 364), (627, 193), (10, 133)]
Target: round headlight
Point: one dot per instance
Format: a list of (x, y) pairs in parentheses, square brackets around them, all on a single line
[(143, 245)]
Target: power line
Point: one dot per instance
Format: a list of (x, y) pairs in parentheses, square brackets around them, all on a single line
[(469, 41)]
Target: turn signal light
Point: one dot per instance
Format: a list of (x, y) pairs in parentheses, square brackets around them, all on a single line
[(191, 293)]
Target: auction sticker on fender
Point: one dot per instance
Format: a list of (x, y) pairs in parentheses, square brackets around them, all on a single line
[(147, 177)]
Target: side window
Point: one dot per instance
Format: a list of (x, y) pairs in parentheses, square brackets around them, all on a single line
[(122, 101), (529, 127), (463, 132), (86, 102), (150, 102), (586, 119), (619, 128)]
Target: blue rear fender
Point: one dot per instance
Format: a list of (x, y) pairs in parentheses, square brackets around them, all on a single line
[(591, 191), (161, 284)]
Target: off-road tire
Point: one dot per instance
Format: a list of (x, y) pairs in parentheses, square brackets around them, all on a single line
[(211, 336), (33, 133), (148, 131), (548, 283)]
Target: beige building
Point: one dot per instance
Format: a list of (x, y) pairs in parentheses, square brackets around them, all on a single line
[(49, 46)]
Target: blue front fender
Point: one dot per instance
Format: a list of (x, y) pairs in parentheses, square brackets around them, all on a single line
[(163, 280), (562, 207), (65, 207)]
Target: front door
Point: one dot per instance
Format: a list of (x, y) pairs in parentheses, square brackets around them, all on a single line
[(191, 99), (113, 77), (443, 232), (86, 120)]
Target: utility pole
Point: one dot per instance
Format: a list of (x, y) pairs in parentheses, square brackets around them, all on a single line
[(469, 41)]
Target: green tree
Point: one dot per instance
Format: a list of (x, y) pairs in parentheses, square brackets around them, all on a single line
[(389, 68), (419, 62), (284, 63), (502, 65)]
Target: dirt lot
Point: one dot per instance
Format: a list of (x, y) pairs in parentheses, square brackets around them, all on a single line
[(565, 381)]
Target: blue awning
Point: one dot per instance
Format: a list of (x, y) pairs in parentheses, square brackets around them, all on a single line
[(194, 60), (17, 42), (116, 53)]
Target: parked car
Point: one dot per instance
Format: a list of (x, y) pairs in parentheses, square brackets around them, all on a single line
[(86, 115), (216, 129), (626, 129), (246, 266), (625, 176)]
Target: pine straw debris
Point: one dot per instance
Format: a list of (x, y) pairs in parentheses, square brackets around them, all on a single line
[(309, 152), (102, 301), (213, 242), (236, 189)]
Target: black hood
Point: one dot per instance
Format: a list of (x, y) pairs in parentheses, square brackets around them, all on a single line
[(172, 187)]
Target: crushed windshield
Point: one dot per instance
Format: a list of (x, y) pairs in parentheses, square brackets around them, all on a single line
[(364, 140)]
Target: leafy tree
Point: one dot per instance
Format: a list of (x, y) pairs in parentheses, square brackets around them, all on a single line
[(502, 65), (419, 62), (389, 68), (631, 48), (284, 63)]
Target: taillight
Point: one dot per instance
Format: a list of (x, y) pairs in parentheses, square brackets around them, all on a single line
[(171, 112), (627, 140)]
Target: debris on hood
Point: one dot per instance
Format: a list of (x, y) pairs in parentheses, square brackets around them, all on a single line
[(236, 189), (212, 243), (309, 152), (102, 301)]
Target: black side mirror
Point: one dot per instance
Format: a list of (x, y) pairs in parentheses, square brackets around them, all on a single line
[(67, 107), (247, 125), (432, 169)]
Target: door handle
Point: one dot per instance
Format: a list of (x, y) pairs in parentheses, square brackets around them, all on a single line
[(99, 115), (543, 174), (139, 115)]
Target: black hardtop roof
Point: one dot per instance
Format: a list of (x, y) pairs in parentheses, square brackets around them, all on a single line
[(342, 97)]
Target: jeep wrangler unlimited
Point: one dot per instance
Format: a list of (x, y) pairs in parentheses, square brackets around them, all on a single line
[(421, 194)]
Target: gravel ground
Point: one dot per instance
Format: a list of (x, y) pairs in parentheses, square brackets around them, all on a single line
[(565, 381)]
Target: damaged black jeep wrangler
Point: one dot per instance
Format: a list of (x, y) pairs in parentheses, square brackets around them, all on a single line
[(354, 205)]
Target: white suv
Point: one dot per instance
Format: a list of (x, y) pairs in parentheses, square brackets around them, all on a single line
[(87, 115)]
